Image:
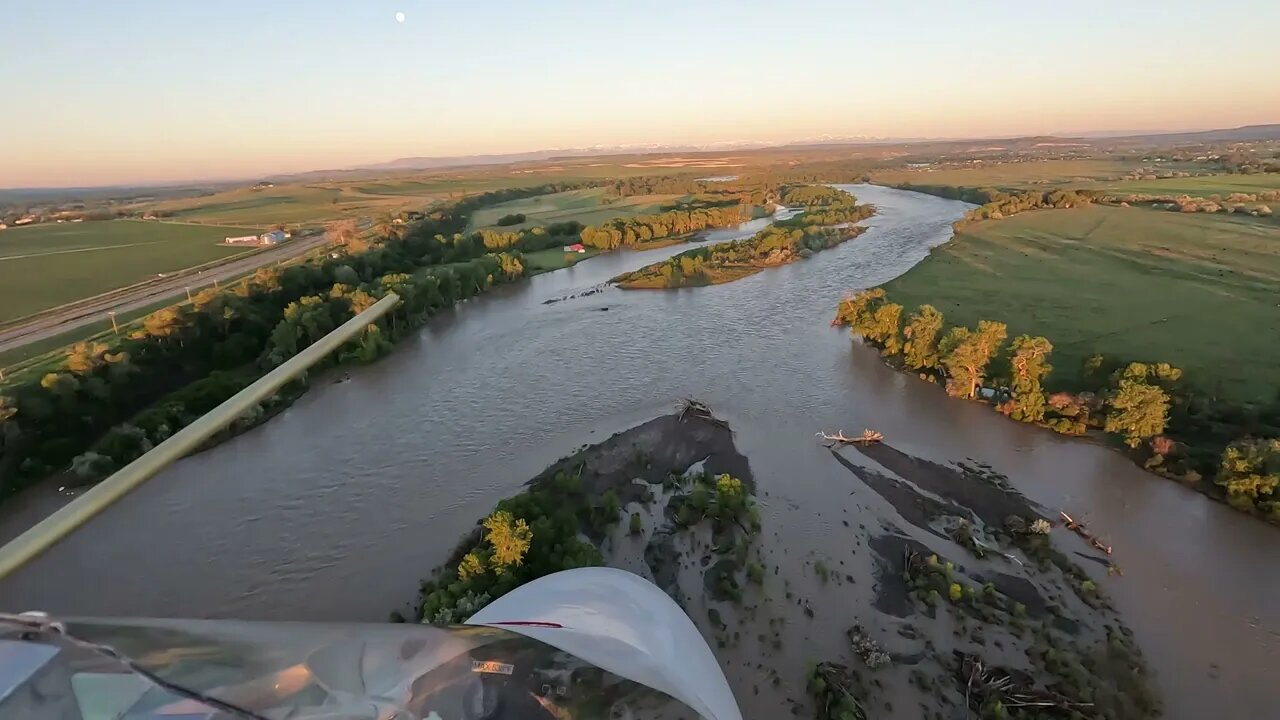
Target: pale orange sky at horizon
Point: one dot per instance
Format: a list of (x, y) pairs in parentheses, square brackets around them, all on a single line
[(160, 99)]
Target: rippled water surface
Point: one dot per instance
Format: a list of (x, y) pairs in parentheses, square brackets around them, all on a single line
[(336, 508)]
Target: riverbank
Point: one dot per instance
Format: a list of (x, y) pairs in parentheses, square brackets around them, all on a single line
[(1208, 387), (658, 499)]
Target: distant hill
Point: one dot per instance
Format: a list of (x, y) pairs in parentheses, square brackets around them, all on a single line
[(1240, 134)]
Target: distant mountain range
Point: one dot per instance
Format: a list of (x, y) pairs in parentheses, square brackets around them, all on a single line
[(1248, 132)]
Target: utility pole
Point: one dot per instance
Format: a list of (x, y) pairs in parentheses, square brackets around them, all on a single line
[(188, 289), (215, 283), (114, 328)]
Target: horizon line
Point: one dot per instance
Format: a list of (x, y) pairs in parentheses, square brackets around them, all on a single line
[(607, 150)]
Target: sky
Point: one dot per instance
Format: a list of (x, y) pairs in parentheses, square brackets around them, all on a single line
[(150, 91)]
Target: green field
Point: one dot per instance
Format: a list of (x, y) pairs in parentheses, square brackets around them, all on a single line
[(1198, 186), (541, 261), (1012, 175), (589, 207), (43, 266), (1083, 175), (1199, 291), (297, 204)]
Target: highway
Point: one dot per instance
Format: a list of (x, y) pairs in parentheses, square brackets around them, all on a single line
[(82, 312)]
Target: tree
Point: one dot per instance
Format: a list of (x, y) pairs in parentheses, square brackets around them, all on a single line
[(920, 351), (885, 332), (510, 538), (873, 318), (341, 232), (85, 357), (731, 496), (165, 322), (855, 310), (63, 385), (1251, 468), (8, 408), (966, 353), (1029, 359), (1137, 409), (472, 565)]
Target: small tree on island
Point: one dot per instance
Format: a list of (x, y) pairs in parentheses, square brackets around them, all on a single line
[(509, 537)]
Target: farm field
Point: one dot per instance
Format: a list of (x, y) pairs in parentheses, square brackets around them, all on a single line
[(1198, 291), (44, 266), (1198, 186), (294, 204), (588, 207), (1052, 173)]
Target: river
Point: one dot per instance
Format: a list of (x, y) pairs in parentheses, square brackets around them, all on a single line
[(337, 507)]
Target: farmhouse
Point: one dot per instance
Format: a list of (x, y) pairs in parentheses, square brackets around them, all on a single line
[(266, 239)]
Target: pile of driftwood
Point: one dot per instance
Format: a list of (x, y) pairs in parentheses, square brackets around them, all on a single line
[(698, 409), (831, 685), (984, 685), (1079, 529), (839, 439)]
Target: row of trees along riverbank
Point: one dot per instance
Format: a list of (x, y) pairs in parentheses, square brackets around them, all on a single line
[(1229, 452), (109, 403), (995, 204), (824, 223)]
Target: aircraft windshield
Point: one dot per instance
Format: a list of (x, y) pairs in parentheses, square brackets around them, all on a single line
[(302, 671)]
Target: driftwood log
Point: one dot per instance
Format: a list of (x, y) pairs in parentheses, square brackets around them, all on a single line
[(698, 409), (983, 683), (839, 439), (1079, 529)]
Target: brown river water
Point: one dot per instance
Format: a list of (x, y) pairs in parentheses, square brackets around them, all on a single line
[(336, 508)]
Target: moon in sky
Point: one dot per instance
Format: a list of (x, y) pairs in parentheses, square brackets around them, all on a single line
[(399, 17)]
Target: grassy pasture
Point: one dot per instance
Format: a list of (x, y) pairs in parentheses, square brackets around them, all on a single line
[(43, 266), (541, 261), (1047, 173), (293, 204), (1199, 291), (1205, 186), (588, 207)]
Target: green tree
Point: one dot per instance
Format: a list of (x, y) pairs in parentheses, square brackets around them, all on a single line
[(85, 357), (966, 353), (920, 350), (1029, 360), (510, 538), (886, 330), (1137, 409), (1251, 469), (731, 496), (472, 565), (855, 310)]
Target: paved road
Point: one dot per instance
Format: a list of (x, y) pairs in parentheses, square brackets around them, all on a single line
[(81, 313)]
